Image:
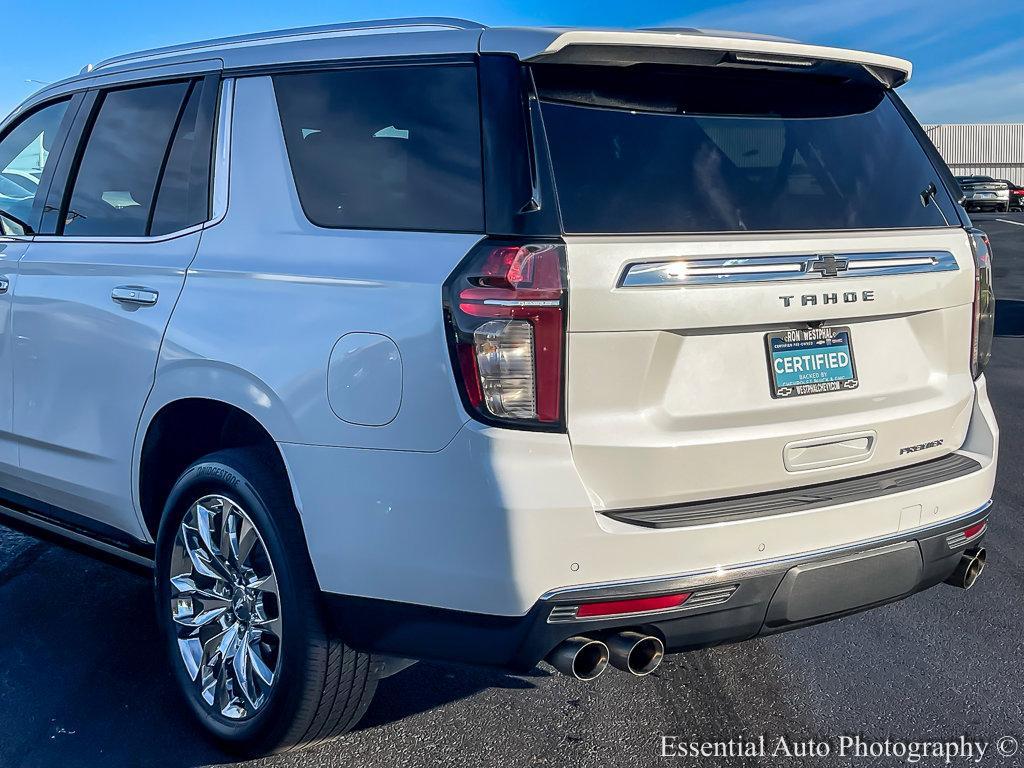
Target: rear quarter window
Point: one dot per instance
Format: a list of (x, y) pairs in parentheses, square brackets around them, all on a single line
[(385, 147)]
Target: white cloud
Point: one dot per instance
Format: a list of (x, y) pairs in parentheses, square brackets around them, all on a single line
[(988, 57), (992, 98), (806, 19), (875, 24), (961, 74)]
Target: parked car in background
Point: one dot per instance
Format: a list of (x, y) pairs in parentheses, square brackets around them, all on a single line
[(983, 193), (1016, 195), (416, 339)]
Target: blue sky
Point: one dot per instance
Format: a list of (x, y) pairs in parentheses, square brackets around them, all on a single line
[(968, 55)]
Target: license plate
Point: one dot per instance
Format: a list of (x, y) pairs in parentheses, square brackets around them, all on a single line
[(810, 361), (984, 195)]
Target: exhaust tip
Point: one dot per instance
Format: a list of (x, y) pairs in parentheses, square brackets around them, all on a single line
[(580, 657), (636, 653), (975, 568), (969, 569)]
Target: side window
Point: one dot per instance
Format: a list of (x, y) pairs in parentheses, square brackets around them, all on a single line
[(184, 196), (386, 148), (24, 152), (134, 177)]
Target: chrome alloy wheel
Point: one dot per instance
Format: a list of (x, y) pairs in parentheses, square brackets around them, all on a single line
[(225, 606)]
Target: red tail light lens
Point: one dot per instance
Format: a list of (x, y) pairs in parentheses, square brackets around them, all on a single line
[(984, 303), (506, 323)]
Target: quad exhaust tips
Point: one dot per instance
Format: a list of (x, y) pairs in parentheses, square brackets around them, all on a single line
[(581, 657), (636, 653), (968, 569)]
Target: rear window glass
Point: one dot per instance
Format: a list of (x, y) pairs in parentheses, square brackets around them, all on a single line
[(385, 148), (693, 149)]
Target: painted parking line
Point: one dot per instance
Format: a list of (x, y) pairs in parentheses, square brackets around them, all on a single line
[(1007, 221)]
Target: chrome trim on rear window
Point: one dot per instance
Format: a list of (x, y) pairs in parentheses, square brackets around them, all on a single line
[(758, 269)]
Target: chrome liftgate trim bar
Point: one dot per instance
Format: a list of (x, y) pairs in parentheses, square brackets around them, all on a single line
[(757, 269)]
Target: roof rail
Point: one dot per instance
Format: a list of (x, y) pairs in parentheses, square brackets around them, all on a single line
[(683, 30), (410, 24)]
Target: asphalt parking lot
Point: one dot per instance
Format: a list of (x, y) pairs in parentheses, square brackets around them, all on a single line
[(82, 682)]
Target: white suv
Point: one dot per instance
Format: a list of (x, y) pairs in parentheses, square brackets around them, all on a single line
[(419, 340)]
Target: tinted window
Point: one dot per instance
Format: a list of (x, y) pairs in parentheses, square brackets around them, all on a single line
[(695, 149), (117, 177), (24, 152), (385, 148), (184, 196)]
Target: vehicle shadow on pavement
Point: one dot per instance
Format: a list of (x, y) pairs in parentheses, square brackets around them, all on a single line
[(84, 681), (426, 686)]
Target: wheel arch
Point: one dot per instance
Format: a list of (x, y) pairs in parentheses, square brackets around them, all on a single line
[(197, 408)]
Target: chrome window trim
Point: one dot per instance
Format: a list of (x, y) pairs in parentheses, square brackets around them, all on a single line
[(759, 269), (738, 572), (219, 183), (141, 240)]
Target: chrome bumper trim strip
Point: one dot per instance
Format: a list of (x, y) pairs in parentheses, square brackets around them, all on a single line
[(730, 573)]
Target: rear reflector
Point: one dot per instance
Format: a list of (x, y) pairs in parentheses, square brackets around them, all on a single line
[(974, 530), (639, 605), (961, 538)]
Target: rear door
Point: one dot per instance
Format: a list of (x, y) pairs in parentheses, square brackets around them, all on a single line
[(768, 282), (97, 290)]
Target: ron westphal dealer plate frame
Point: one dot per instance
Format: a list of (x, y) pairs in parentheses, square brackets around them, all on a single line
[(810, 338)]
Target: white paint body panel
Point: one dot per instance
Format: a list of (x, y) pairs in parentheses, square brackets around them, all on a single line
[(668, 387), (84, 365), (11, 251)]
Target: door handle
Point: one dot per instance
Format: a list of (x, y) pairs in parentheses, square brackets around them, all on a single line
[(4, 284), (134, 295)]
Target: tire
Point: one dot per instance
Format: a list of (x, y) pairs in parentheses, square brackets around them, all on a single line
[(320, 688)]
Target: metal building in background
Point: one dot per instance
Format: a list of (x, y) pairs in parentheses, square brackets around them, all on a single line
[(995, 149)]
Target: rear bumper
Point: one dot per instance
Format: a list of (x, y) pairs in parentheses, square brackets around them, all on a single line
[(499, 519), (725, 605), (999, 204)]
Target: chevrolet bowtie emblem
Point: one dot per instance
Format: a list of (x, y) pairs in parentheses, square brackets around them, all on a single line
[(828, 266)]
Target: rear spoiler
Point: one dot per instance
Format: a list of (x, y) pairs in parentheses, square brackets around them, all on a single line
[(611, 47)]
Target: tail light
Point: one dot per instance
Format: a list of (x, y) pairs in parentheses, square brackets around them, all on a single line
[(984, 303), (505, 307)]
